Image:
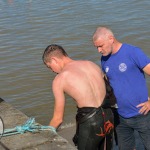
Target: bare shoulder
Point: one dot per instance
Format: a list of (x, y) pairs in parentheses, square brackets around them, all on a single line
[(91, 64), (60, 78), (86, 62)]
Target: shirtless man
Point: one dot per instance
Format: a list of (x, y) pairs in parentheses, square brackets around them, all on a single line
[(83, 81)]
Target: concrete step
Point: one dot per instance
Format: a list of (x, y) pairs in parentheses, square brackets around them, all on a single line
[(43, 140)]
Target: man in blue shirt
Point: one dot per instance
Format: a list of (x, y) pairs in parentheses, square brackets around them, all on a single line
[(125, 66)]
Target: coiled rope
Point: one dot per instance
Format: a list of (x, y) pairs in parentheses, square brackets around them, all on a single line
[(29, 126)]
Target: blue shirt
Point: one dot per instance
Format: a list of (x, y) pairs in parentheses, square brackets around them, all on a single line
[(125, 72)]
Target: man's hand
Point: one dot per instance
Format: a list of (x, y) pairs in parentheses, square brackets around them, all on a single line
[(52, 129), (145, 107)]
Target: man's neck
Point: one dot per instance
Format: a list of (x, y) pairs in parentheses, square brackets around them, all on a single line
[(117, 45), (66, 61)]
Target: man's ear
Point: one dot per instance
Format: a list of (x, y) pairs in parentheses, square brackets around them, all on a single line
[(111, 38), (54, 60)]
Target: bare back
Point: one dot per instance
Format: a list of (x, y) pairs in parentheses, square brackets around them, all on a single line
[(83, 81)]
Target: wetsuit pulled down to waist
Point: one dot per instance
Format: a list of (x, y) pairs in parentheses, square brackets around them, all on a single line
[(94, 125)]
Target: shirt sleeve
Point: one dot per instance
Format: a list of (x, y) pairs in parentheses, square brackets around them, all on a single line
[(140, 58)]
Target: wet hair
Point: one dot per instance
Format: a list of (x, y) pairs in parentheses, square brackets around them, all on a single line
[(102, 32), (53, 50)]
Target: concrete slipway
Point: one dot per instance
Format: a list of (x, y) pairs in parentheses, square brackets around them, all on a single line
[(42, 140)]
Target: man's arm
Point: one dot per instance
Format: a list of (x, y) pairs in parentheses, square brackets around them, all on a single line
[(146, 69), (59, 103), (145, 107)]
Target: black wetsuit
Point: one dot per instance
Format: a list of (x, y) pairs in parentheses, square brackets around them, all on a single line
[(94, 125)]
